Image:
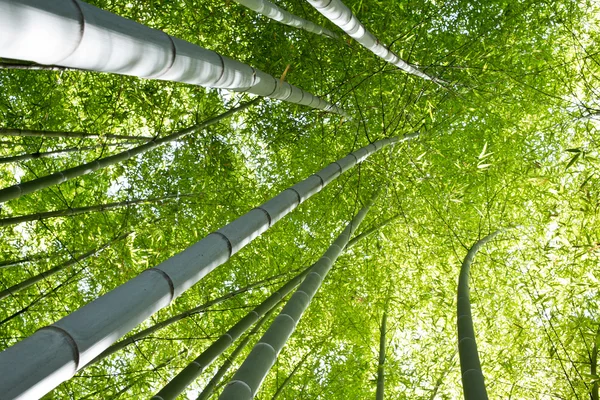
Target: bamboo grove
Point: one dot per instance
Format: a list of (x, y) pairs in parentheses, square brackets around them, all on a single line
[(299, 199)]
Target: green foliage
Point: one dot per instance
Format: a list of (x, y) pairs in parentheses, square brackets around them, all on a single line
[(511, 141)]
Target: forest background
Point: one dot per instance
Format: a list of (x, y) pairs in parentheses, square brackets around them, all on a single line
[(509, 141)]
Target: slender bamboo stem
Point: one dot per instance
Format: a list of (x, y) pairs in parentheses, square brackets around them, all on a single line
[(379, 395), (68, 135), (372, 230), (594, 365), (32, 67), (83, 210), (61, 267), (211, 386), (21, 189), (176, 318), (54, 353), (33, 156), (472, 376), (247, 380), (288, 379), (270, 10), (72, 33)]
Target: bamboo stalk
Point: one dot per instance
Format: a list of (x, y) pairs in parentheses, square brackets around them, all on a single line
[(83, 210), (338, 13), (379, 394), (71, 33), (470, 366), (69, 135), (55, 353), (249, 377), (271, 11), (16, 191)]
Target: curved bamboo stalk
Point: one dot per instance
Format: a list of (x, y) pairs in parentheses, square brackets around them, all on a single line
[(211, 386), (61, 267), (33, 156), (83, 210), (379, 394), (55, 353), (176, 318), (69, 135), (193, 370), (71, 33), (249, 377), (338, 13), (270, 10), (16, 191), (470, 366)]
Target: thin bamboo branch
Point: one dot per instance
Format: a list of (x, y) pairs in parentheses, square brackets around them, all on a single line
[(379, 394), (69, 135), (470, 366), (594, 365), (33, 156), (16, 191), (372, 230)]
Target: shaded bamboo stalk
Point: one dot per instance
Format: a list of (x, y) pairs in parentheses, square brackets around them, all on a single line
[(35, 279), (24, 188), (53, 354), (72, 33), (470, 366), (68, 135), (83, 210), (33, 156), (379, 394), (271, 11), (176, 318), (193, 370), (594, 365), (338, 13), (212, 385), (249, 377), (372, 230)]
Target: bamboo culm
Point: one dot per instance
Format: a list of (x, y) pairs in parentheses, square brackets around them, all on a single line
[(372, 230), (379, 394), (61, 267), (83, 210), (176, 318), (15, 191), (594, 365), (53, 354), (36, 155), (193, 370), (470, 366), (272, 11), (69, 135), (247, 380), (211, 386), (52, 33), (338, 13)]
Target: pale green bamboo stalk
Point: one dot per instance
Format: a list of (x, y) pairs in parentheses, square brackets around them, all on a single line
[(72, 33), (16, 191), (69, 135), (37, 364), (338, 13), (379, 395), (372, 230), (83, 210), (176, 318), (210, 387), (270, 10), (61, 267), (249, 377), (187, 375), (470, 366), (33, 156)]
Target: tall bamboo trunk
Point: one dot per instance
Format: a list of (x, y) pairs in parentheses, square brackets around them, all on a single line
[(71, 33), (16, 191), (55, 353), (247, 380), (176, 318), (270, 10), (83, 210), (61, 267), (69, 135), (338, 13), (379, 394), (470, 366), (193, 370), (33, 156)]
